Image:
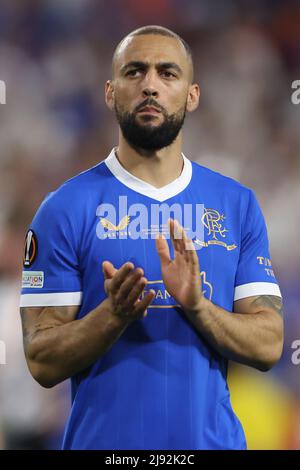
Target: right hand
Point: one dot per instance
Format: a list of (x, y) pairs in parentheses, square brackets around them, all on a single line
[(124, 287)]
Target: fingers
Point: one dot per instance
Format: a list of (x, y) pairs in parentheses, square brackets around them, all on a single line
[(120, 276), (125, 287), (179, 240), (136, 292), (162, 249), (142, 305), (133, 283), (192, 256), (183, 245), (130, 291), (176, 235), (108, 269)]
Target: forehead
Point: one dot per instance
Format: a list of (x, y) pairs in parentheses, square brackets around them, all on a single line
[(151, 48)]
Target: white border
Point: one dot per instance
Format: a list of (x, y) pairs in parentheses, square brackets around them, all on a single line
[(51, 300), (256, 288), (140, 186)]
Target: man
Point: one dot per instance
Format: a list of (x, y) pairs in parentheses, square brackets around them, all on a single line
[(144, 335)]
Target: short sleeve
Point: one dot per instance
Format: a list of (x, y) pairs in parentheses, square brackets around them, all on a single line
[(255, 275), (51, 274)]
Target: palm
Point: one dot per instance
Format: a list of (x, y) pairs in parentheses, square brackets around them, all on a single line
[(181, 275)]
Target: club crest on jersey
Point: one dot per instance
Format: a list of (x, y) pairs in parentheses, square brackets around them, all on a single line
[(30, 249), (213, 221)]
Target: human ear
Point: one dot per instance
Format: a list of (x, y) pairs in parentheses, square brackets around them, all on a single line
[(193, 98), (109, 94)]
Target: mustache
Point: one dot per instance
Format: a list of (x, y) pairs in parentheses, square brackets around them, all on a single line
[(149, 102)]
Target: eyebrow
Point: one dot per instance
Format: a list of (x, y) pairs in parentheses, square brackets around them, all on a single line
[(145, 65)]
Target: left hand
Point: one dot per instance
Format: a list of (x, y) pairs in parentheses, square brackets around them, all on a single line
[(181, 275)]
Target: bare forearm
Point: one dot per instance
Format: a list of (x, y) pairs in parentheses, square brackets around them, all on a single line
[(61, 351), (58, 346), (254, 339)]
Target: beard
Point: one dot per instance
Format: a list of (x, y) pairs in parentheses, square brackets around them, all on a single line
[(147, 136)]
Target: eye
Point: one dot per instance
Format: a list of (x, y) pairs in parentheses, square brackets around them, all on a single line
[(168, 74), (132, 73)]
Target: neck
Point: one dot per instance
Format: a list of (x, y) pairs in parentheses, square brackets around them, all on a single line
[(157, 168)]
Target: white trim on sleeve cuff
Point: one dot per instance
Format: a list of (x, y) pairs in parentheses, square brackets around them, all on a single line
[(57, 299), (256, 288)]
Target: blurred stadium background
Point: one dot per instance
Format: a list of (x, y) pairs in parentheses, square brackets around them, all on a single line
[(55, 57)]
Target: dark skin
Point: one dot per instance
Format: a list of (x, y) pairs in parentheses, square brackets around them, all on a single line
[(156, 68), (252, 336), (57, 346)]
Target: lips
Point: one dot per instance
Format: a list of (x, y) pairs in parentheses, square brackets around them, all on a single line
[(149, 110)]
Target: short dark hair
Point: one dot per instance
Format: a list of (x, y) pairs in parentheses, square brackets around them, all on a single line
[(162, 31)]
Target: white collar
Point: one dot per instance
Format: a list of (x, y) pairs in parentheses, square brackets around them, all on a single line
[(140, 186)]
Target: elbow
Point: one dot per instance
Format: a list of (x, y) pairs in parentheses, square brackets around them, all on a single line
[(45, 383), (38, 364), (265, 366), (42, 375), (39, 367), (270, 357), (271, 350)]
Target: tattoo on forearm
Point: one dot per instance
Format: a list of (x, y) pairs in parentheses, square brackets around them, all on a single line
[(271, 301)]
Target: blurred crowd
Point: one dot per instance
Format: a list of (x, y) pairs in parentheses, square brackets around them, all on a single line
[(55, 56)]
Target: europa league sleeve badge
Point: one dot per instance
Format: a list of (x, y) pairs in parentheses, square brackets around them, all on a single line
[(30, 249)]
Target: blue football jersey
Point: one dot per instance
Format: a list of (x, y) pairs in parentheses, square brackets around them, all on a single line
[(161, 385)]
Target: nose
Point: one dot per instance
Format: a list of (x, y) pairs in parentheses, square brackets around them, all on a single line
[(149, 85), (149, 91)]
